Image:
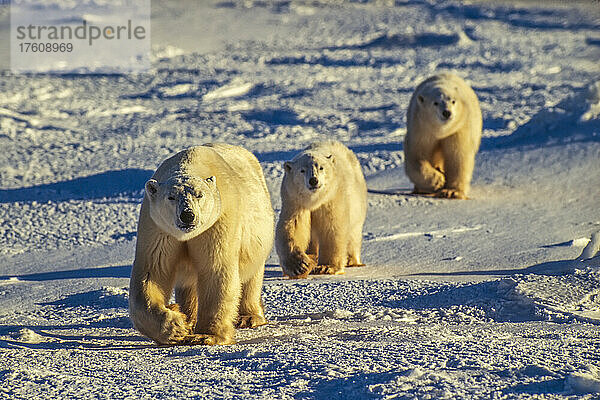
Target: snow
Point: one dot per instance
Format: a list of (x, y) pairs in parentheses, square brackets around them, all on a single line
[(234, 89), (584, 382), (493, 297)]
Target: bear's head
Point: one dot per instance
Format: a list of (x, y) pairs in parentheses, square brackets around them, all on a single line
[(184, 206), (442, 102), (311, 175)]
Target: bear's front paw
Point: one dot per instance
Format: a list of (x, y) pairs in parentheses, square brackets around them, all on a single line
[(174, 328), (250, 321), (356, 265), (451, 194), (328, 270), (206, 340), (299, 266)]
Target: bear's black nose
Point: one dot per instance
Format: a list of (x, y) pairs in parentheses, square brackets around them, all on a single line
[(446, 114), (187, 216), (313, 181)]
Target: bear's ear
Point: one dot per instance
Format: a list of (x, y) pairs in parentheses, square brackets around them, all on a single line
[(287, 166), (211, 180), (152, 187), (421, 99), (331, 158)]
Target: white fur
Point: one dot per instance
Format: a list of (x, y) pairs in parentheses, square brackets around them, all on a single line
[(215, 263), (440, 152), (320, 226)]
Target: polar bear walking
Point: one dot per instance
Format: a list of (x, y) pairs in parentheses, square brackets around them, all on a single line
[(443, 135), (205, 230), (324, 205)]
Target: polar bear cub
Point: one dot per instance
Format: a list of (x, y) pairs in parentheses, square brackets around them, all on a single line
[(443, 135), (205, 230), (324, 205)]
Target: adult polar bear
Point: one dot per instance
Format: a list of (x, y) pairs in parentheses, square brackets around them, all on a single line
[(443, 135), (324, 204), (205, 229)]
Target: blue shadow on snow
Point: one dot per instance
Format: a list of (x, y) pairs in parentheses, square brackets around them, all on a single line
[(103, 185), (121, 271)]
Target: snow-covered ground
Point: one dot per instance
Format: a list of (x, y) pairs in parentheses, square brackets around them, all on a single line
[(484, 298)]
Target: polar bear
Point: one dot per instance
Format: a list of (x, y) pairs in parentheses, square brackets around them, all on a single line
[(324, 205), (206, 228), (443, 135)]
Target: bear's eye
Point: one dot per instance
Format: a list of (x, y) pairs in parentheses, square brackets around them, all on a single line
[(435, 103), (320, 168), (199, 195), (453, 101)]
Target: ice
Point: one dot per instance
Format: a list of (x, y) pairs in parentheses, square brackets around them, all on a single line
[(28, 336), (593, 103), (592, 247), (234, 89)]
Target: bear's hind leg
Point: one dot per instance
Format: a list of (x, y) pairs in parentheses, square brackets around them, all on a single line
[(355, 240), (354, 253), (218, 301), (218, 285)]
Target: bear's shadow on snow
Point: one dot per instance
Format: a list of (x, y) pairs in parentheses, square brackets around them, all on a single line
[(272, 271), (126, 182), (107, 305), (121, 271), (130, 182), (98, 299), (53, 337), (107, 308)]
